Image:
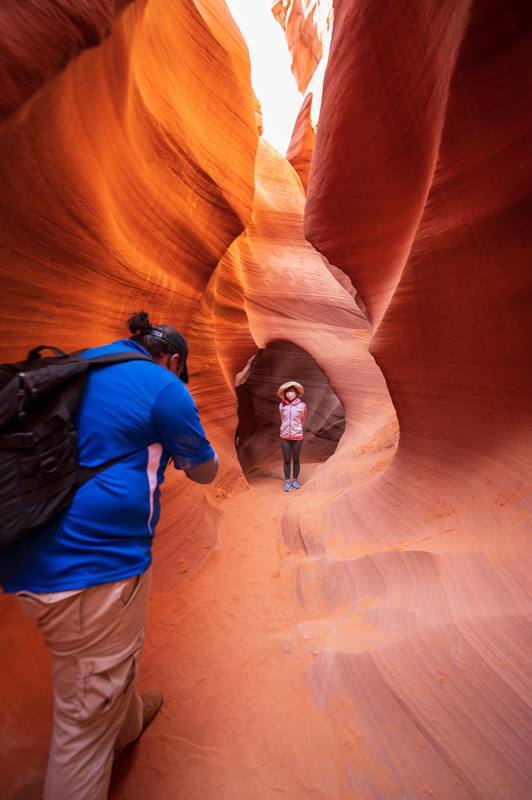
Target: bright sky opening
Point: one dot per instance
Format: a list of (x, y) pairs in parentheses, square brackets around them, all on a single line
[(271, 76)]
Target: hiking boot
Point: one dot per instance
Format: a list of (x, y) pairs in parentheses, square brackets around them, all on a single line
[(295, 484), (287, 486), (152, 702)]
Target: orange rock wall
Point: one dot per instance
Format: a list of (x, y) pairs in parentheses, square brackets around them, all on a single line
[(419, 192), (115, 196), (301, 146), (133, 179), (40, 37), (306, 24), (131, 159), (272, 286)]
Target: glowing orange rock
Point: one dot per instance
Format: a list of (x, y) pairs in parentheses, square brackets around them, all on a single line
[(133, 205), (398, 595), (114, 197), (301, 147), (307, 26), (306, 23)]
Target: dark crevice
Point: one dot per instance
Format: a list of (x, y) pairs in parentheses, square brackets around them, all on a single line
[(257, 440)]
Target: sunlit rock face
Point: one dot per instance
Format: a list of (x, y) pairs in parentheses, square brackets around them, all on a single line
[(307, 25), (272, 291), (115, 194), (134, 179), (420, 192), (118, 193), (301, 146), (115, 153)]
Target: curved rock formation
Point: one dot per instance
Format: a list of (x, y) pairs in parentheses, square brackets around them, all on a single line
[(258, 426), (40, 37), (249, 304), (308, 28), (419, 193), (134, 160), (388, 629), (301, 146), (306, 23)]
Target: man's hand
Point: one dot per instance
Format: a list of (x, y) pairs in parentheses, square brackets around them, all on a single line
[(204, 473)]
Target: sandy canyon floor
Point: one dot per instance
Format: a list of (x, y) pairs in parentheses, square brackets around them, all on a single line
[(228, 650)]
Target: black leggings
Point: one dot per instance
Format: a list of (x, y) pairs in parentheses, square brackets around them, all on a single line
[(291, 449)]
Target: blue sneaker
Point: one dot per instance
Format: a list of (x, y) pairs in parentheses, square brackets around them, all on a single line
[(295, 484), (287, 486)]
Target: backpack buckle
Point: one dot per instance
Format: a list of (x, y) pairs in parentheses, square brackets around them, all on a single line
[(21, 395), (49, 465), (17, 441)]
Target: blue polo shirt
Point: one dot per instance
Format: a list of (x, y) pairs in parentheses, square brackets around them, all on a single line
[(138, 410)]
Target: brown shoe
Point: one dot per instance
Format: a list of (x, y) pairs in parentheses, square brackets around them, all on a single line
[(152, 702)]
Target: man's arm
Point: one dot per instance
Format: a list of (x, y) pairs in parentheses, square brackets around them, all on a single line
[(180, 430), (204, 473)]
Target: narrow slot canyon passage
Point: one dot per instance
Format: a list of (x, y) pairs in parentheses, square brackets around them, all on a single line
[(239, 720), (334, 192), (234, 640)]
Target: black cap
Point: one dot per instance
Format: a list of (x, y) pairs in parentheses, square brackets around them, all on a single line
[(177, 342)]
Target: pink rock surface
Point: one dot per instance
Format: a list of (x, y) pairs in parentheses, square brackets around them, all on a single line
[(419, 193), (301, 146), (380, 647)]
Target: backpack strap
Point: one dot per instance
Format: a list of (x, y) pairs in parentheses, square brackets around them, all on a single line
[(34, 354), (116, 358), (86, 473)]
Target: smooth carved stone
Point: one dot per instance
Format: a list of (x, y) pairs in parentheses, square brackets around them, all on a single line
[(419, 192), (301, 146), (306, 24), (115, 196), (40, 37), (388, 629), (272, 287)]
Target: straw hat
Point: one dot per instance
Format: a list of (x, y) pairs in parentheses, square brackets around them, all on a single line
[(297, 386)]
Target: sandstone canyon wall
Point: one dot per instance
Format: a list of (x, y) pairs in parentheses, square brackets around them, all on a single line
[(307, 25), (420, 192), (114, 194), (114, 197), (397, 664)]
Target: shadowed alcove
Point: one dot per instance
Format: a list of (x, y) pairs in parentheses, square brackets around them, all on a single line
[(257, 439)]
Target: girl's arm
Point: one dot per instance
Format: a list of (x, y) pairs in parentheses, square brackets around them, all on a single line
[(304, 415)]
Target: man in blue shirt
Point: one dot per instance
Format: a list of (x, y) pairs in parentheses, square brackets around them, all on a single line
[(85, 577)]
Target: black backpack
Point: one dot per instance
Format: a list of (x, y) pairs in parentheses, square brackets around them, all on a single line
[(39, 470)]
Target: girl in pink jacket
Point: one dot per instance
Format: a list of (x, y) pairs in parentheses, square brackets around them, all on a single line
[(293, 412)]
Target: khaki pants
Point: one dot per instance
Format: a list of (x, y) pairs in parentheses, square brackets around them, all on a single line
[(95, 639)]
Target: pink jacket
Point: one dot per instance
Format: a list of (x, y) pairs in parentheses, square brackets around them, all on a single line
[(293, 416)]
